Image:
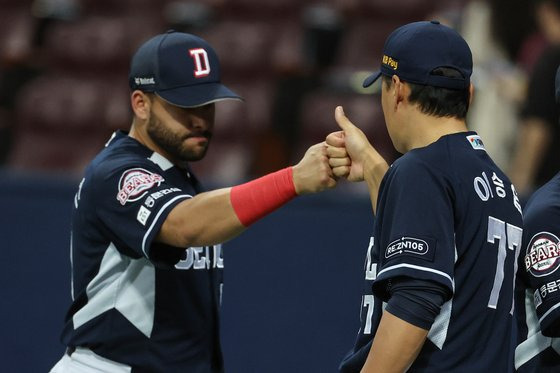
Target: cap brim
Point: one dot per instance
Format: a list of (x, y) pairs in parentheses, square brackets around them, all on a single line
[(198, 95), (371, 79)]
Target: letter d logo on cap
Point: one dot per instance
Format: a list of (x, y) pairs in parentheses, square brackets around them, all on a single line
[(201, 63)]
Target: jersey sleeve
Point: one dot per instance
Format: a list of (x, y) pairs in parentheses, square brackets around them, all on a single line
[(132, 203), (541, 264), (416, 227)]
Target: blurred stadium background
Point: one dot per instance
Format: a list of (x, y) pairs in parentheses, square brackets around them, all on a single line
[(293, 305)]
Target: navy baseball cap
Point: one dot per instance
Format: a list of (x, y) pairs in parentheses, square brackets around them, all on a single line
[(414, 51), (181, 68)]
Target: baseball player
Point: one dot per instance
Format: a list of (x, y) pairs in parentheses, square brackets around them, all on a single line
[(538, 280), (439, 269), (145, 243)]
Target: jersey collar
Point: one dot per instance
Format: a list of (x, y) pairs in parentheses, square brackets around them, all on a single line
[(161, 161)]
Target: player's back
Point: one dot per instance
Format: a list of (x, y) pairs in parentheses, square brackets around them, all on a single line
[(474, 329), (447, 214)]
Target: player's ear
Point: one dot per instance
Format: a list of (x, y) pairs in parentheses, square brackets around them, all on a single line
[(400, 91), (141, 104), (471, 94)]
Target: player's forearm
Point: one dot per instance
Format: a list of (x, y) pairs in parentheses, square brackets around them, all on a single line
[(395, 346), (220, 215), (206, 219), (375, 168)]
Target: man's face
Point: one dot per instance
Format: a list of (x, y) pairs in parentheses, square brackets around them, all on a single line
[(184, 133)]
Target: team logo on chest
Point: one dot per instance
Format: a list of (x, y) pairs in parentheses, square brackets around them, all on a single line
[(135, 183), (543, 254)]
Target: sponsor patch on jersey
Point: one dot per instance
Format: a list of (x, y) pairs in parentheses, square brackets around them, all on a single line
[(410, 245), (537, 298), (543, 254), (476, 142), (135, 183), (143, 215)]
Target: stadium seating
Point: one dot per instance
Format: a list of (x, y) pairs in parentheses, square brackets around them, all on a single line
[(67, 113), (64, 120)]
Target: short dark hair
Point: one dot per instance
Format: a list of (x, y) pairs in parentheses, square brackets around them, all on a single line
[(439, 102)]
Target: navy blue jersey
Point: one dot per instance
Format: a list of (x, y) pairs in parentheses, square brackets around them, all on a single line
[(538, 283), (446, 213), (135, 301)]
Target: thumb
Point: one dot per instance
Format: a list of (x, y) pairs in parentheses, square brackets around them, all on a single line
[(335, 139), (343, 122)]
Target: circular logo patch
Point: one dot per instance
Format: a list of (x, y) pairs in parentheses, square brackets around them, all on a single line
[(135, 183), (543, 254)]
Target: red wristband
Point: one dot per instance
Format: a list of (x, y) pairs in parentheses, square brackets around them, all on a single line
[(253, 200)]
